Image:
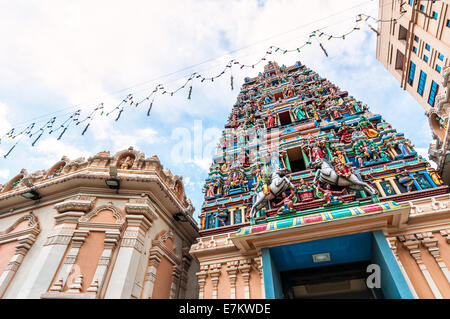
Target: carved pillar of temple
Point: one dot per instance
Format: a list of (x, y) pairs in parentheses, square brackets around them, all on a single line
[(51, 254), (392, 241), (111, 240), (245, 268), (78, 239), (201, 276), (175, 279), (139, 217), (150, 276), (232, 270), (413, 245), (259, 265), (214, 273), (430, 242)]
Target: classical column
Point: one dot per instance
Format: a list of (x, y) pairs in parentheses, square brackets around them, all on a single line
[(214, 273), (412, 244), (78, 239), (259, 264), (392, 242), (111, 240), (394, 185), (51, 254), (380, 189), (231, 215), (431, 244), (232, 270), (244, 268), (139, 216), (175, 277), (150, 276), (201, 276), (186, 263), (243, 215)]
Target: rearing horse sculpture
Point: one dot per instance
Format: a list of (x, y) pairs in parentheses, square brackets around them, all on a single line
[(279, 184), (327, 174)]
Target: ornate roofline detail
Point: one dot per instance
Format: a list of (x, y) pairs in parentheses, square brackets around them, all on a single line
[(33, 223), (141, 206), (78, 203), (120, 217)]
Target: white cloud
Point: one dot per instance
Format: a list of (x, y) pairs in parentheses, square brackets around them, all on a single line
[(4, 173), (5, 126), (53, 150)]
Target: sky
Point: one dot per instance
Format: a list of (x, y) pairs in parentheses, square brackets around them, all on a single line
[(60, 56)]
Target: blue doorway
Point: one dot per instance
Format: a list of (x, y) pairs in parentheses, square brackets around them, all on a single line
[(333, 263)]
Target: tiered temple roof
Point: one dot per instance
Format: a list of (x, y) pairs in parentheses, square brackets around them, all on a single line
[(287, 118)]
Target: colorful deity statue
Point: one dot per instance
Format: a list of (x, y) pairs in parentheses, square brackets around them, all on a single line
[(367, 127), (345, 133), (315, 153), (262, 181), (222, 215), (300, 112), (334, 110), (202, 222), (339, 154), (286, 205), (405, 179), (403, 145), (329, 195), (305, 191), (270, 122), (236, 178), (368, 150), (342, 169), (127, 163), (210, 192), (434, 175)]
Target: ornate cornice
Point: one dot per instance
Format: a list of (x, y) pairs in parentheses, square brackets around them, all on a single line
[(141, 206), (78, 203)]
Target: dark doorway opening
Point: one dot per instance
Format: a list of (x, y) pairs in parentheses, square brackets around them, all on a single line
[(342, 281), (296, 160), (285, 118)]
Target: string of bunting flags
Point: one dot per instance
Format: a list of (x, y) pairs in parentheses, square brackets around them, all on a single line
[(74, 119)]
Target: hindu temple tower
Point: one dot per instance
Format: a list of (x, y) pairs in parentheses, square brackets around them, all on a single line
[(310, 194)]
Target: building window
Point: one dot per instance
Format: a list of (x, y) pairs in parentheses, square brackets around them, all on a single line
[(448, 23), (415, 50), (441, 56), (433, 92), (438, 68), (425, 58), (412, 72), (427, 47), (410, 2), (399, 60), (422, 8), (416, 38), (435, 15), (422, 80), (402, 33)]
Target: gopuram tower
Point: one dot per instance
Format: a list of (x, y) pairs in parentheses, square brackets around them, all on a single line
[(311, 195)]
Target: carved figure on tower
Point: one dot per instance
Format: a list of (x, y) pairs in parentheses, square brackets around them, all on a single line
[(287, 205), (367, 127), (329, 195)]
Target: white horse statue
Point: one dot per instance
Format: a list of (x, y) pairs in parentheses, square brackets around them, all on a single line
[(279, 184), (327, 174)]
